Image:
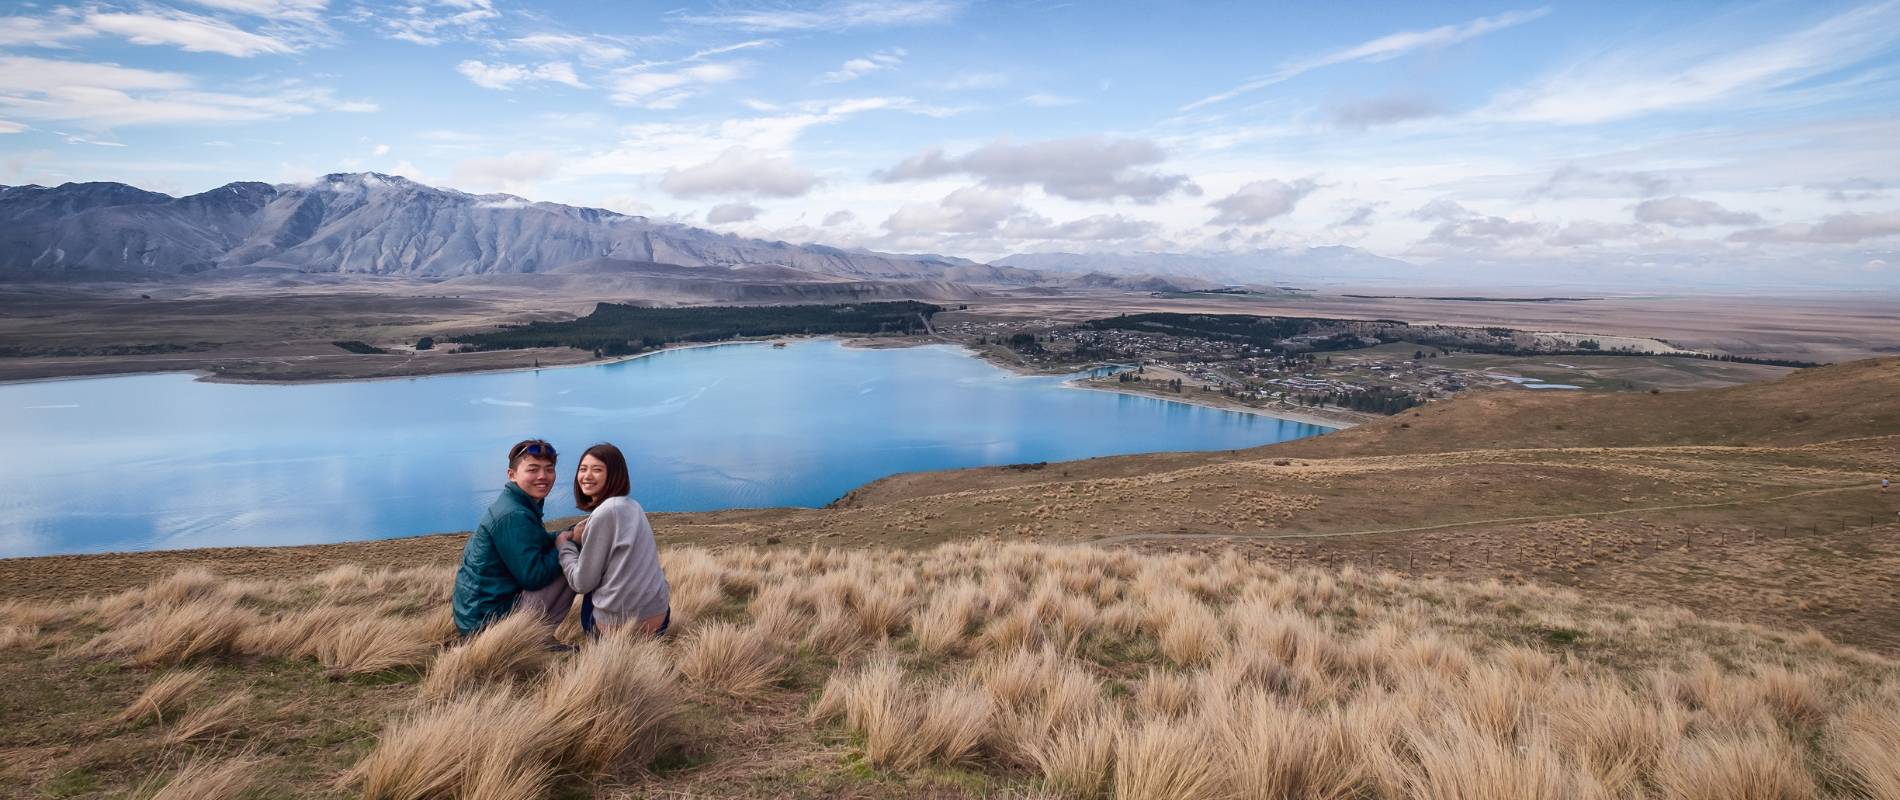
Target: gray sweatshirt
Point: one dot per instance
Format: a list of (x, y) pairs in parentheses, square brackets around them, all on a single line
[(618, 563)]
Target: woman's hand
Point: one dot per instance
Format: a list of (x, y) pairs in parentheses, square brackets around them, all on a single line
[(578, 532)]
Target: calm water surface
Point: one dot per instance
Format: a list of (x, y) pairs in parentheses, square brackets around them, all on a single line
[(165, 461)]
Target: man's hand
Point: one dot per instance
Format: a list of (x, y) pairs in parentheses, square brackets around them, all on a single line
[(564, 537), (578, 532)]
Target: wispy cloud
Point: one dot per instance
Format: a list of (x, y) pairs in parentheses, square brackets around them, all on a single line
[(856, 68), (831, 16), (431, 22), (507, 76), (102, 96), (296, 10), (1384, 48), (189, 32), (1697, 71), (666, 89), (591, 49)]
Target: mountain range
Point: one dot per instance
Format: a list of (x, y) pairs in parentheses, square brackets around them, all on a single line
[(376, 224)]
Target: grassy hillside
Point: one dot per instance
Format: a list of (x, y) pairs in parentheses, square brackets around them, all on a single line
[(962, 670)]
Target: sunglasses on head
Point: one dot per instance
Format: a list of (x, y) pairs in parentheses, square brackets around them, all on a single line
[(535, 449)]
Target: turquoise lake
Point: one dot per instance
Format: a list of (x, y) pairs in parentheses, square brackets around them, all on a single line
[(166, 461)]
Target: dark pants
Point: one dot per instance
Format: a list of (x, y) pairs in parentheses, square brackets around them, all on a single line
[(587, 617)]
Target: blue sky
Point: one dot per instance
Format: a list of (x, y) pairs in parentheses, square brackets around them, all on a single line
[(1743, 138)]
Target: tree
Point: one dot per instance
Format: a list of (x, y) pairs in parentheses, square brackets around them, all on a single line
[(425, 343)]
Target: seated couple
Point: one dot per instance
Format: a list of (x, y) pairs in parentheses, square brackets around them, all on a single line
[(511, 561)]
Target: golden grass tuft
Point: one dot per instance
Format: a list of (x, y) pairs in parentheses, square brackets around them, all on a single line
[(729, 659), (295, 634), (1275, 750), (1735, 767), (941, 626), (376, 645), (612, 701), (483, 739), (956, 718), (1160, 759), (509, 648), (165, 695), (1867, 738), (209, 722), (175, 634), (20, 637), (205, 779), (1078, 760)]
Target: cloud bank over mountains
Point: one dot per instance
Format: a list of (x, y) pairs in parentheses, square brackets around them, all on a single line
[(1764, 140)]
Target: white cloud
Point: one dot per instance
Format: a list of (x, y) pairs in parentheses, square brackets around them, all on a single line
[(655, 147), (1571, 180), (859, 67), (272, 9), (841, 15), (1687, 212), (1833, 229), (656, 89), (40, 31), (1082, 168), (1384, 48), (972, 209), (727, 213), (837, 218), (431, 22), (591, 49), (380, 150), (412, 172), (978, 212), (189, 32), (1260, 201), (966, 81), (517, 171), (1695, 71), (507, 76), (108, 95), (7, 126), (740, 171)]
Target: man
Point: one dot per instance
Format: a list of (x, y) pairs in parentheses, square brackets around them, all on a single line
[(510, 560)]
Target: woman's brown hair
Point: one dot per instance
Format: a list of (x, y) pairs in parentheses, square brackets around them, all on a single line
[(618, 483)]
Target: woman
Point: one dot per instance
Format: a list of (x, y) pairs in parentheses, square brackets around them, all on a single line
[(610, 556)]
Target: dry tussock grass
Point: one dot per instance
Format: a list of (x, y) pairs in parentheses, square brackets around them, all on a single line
[(206, 779), (209, 722), (375, 645), (731, 659), (513, 647), (1091, 673), (165, 695), (22, 637), (166, 635)]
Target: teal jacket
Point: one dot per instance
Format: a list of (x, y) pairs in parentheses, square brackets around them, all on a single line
[(510, 552)]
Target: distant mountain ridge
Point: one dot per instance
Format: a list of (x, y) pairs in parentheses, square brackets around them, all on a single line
[(375, 224), (387, 225)]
